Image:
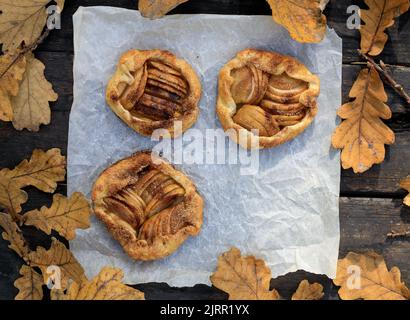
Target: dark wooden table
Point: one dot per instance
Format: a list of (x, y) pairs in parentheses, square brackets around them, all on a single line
[(370, 203)]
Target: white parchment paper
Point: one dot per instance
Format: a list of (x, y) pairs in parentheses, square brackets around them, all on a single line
[(287, 214)]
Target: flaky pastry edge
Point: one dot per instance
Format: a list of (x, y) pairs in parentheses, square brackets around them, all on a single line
[(276, 64), (131, 61), (116, 177)]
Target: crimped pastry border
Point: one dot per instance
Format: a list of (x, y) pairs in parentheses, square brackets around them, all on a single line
[(133, 60), (118, 176), (276, 64)]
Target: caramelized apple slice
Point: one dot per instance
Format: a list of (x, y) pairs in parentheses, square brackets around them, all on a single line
[(249, 85), (127, 205), (133, 92), (253, 117), (167, 196)]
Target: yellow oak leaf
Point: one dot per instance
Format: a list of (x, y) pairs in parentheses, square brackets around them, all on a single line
[(362, 135), (107, 285), (65, 215), (29, 284), (12, 69), (31, 105), (43, 171), (405, 184), (12, 234), (155, 9), (365, 276), (243, 278), (307, 291), (11, 196), (60, 4), (323, 4), (57, 262), (377, 19), (21, 21), (303, 19)]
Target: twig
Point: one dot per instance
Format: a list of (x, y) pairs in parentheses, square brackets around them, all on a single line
[(382, 69), (26, 49), (395, 235)]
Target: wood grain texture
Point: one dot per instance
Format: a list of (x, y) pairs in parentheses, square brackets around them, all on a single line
[(370, 205), (365, 223)]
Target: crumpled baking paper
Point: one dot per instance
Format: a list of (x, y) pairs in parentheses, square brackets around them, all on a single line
[(286, 214)]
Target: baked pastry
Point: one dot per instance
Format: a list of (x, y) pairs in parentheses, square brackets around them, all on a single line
[(267, 92), (148, 206), (152, 89)]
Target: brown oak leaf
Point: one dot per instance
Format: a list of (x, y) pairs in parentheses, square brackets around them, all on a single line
[(377, 19), (11, 196), (365, 276), (29, 284), (107, 285), (12, 69), (62, 258), (243, 278), (60, 4), (21, 23), (65, 215), (155, 9), (43, 171), (31, 105), (12, 234), (323, 4), (303, 19), (307, 291), (362, 135), (405, 184)]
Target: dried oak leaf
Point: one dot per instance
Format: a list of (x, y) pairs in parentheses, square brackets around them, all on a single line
[(405, 184), (29, 284), (57, 256), (43, 171), (21, 23), (11, 196), (362, 135), (365, 276), (60, 4), (31, 105), (323, 4), (377, 19), (303, 19), (12, 69), (307, 291), (106, 285), (65, 215), (243, 278), (155, 9), (12, 234)]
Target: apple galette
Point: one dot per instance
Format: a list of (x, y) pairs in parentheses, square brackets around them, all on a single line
[(148, 206), (265, 98), (152, 89)]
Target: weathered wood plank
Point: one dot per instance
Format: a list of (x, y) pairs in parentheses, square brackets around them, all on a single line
[(396, 51), (59, 72), (16, 146), (381, 180), (364, 225)]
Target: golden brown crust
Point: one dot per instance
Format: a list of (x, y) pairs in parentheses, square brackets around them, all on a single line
[(288, 99), (152, 89), (124, 198)]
